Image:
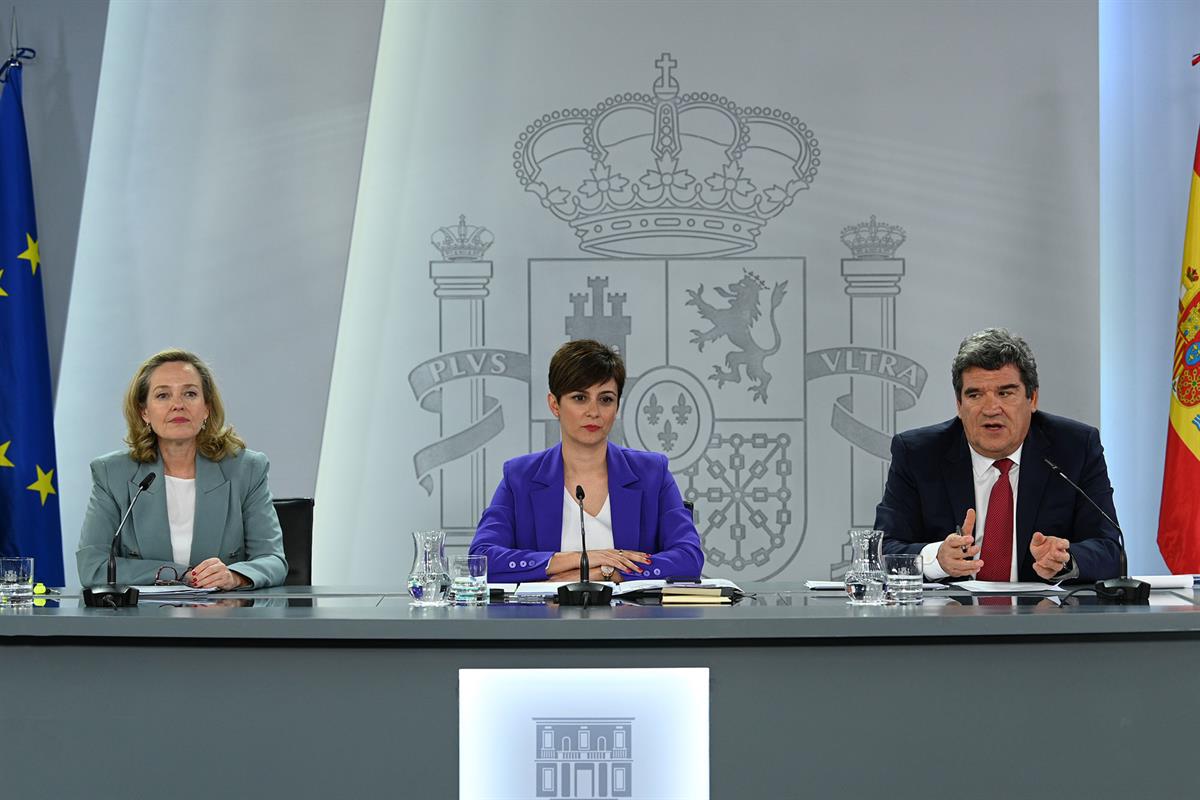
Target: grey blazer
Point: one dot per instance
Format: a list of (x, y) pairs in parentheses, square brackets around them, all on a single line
[(235, 520)]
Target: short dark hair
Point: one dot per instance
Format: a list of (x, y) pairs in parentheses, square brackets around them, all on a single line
[(991, 349), (584, 363)]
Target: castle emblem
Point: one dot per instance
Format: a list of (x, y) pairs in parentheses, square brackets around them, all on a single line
[(611, 325)]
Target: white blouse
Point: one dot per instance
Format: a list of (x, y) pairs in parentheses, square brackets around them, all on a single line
[(181, 513), (599, 527)]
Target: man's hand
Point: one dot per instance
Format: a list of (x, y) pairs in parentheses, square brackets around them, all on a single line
[(1051, 555), (956, 555)]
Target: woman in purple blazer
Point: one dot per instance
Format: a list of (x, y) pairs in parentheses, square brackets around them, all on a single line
[(636, 523)]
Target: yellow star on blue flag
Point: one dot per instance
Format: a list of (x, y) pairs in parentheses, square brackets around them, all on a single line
[(31, 253), (29, 513), (44, 485)]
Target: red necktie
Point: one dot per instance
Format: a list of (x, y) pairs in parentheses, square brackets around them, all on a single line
[(998, 528)]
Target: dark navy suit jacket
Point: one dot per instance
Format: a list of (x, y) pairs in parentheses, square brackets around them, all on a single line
[(522, 528), (930, 487)]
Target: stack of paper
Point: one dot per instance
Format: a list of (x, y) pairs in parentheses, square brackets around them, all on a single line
[(709, 591), (172, 592)]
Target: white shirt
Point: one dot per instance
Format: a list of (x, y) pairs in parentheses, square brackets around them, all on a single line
[(181, 513), (599, 527), (986, 474)]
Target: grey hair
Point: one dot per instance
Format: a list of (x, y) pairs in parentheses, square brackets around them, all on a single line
[(991, 349)]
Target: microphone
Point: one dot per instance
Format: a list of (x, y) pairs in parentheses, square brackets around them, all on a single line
[(1124, 591), (114, 596), (585, 592), (585, 566)]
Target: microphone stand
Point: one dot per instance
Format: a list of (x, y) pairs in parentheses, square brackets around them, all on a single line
[(115, 595), (584, 592), (1122, 591)]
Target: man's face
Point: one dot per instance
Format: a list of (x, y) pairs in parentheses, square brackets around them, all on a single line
[(994, 410)]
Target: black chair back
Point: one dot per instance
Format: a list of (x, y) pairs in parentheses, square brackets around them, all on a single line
[(296, 520)]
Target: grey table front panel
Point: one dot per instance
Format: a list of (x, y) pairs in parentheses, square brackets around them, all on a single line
[(328, 700)]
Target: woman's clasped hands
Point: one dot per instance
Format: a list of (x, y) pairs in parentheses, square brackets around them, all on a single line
[(211, 573), (565, 566)]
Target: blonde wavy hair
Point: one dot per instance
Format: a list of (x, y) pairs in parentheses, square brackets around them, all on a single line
[(215, 440)]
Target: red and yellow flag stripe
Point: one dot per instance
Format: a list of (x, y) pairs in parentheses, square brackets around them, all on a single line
[(1179, 514)]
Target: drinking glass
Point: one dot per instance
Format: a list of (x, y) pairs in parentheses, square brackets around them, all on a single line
[(904, 574), (16, 580), (468, 580)]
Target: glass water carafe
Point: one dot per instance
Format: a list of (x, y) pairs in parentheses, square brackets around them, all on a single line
[(864, 579), (429, 578)]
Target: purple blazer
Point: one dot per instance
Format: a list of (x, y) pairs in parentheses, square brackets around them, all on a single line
[(522, 528)]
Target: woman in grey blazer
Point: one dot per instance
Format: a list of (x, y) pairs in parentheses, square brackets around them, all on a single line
[(209, 516)]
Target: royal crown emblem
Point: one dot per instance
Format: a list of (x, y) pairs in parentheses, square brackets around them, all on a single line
[(873, 239), (462, 242), (666, 173)]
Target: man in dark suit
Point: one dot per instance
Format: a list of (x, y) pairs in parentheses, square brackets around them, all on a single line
[(975, 494)]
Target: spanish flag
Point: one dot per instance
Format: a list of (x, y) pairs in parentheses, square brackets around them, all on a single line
[(1179, 515)]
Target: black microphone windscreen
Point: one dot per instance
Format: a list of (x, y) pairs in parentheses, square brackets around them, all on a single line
[(146, 481), (579, 493)]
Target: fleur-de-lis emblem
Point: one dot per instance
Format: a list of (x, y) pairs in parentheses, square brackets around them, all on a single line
[(682, 410), (652, 409), (667, 436)]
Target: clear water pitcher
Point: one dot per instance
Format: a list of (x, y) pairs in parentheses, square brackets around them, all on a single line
[(864, 579), (429, 578)]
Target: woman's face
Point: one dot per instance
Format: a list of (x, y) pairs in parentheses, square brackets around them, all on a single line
[(175, 406), (586, 415)]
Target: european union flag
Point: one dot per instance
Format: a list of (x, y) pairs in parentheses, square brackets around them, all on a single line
[(29, 518)]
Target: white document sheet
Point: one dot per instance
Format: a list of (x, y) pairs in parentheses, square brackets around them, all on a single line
[(539, 588), (1009, 587), (1166, 581)]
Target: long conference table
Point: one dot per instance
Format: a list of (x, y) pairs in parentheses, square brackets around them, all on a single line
[(353, 693)]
